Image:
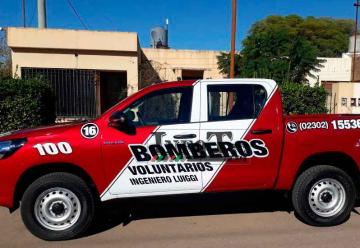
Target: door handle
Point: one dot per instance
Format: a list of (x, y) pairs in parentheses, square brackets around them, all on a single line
[(262, 131), (185, 136)]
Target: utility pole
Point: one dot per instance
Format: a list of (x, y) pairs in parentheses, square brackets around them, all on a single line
[(231, 97), (233, 39), (23, 13), (356, 5), (41, 14)]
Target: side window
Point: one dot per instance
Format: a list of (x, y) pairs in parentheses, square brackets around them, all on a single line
[(163, 107), (235, 102)]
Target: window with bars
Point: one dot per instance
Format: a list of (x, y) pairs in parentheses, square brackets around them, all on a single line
[(74, 89)]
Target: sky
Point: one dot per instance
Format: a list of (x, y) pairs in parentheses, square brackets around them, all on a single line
[(194, 24)]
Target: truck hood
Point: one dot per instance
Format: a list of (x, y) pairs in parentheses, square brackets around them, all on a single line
[(39, 131)]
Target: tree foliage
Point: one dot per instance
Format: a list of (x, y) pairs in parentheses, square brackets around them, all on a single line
[(224, 63), (329, 36), (286, 49), (303, 99), (5, 57), (25, 103)]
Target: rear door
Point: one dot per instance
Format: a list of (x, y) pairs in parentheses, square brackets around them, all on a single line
[(244, 120)]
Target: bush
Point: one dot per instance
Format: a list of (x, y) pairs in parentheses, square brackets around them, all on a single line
[(25, 103), (303, 99)]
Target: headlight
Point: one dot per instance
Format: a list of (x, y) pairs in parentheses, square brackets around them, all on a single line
[(8, 147)]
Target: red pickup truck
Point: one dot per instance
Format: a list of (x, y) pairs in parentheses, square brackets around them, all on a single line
[(180, 138)]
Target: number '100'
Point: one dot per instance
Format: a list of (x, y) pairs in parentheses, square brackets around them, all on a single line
[(53, 149)]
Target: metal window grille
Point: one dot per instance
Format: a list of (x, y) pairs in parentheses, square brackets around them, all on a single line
[(74, 89)]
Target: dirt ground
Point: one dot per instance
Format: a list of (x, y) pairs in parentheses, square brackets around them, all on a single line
[(252, 219)]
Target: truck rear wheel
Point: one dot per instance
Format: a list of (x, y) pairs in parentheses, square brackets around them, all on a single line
[(323, 196), (57, 206)]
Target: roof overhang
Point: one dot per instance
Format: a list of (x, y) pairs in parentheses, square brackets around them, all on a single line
[(62, 39)]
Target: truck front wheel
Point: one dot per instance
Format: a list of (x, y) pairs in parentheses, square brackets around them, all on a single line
[(57, 206), (323, 196)]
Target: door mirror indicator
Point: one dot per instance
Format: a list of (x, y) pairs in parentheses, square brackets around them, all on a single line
[(121, 122)]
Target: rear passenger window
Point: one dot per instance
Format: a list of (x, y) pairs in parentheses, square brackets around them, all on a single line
[(235, 102)]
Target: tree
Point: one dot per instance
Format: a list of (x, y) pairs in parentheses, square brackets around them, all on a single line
[(286, 49), (303, 99), (5, 57), (224, 63), (329, 36)]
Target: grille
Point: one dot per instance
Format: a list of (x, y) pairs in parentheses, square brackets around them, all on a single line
[(74, 89)]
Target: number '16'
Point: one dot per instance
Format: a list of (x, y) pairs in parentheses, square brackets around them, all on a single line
[(53, 149)]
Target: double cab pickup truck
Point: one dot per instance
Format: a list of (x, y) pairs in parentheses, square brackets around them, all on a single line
[(186, 137)]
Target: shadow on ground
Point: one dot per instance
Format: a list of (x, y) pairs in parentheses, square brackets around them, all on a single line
[(122, 212)]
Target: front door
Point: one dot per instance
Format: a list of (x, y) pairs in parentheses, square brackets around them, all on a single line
[(141, 164)]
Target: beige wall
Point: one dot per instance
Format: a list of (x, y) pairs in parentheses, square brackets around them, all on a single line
[(117, 51), (336, 73), (81, 61), (333, 70), (346, 90), (72, 39), (48, 48), (169, 63)]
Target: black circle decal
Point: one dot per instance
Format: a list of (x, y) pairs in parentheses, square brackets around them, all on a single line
[(291, 127), (89, 130)]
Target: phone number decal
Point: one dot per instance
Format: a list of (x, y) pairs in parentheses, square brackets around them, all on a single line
[(346, 124), (313, 125)]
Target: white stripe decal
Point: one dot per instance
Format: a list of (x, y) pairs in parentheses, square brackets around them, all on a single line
[(127, 164)]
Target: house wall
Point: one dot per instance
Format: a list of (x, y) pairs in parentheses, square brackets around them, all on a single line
[(333, 70), (346, 90), (335, 74), (169, 63), (77, 60), (57, 48), (72, 39)]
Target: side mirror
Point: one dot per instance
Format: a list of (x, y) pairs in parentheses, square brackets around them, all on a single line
[(121, 122)]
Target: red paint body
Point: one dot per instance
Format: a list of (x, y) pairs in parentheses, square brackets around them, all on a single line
[(288, 151)]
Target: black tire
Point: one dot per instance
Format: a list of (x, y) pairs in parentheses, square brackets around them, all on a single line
[(67, 181), (305, 185)]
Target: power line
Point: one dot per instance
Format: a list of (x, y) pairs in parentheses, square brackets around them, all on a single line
[(23, 5), (105, 17), (32, 16), (71, 5)]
